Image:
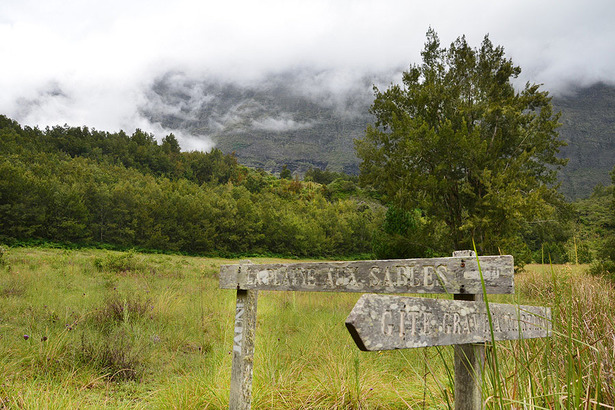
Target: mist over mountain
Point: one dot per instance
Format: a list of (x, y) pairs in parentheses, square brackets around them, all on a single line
[(299, 118), (303, 118)]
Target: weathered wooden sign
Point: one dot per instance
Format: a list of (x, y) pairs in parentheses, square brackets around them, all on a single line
[(394, 322), (386, 322), (454, 275)]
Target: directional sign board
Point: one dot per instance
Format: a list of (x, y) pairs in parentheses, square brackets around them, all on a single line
[(386, 322), (455, 275)]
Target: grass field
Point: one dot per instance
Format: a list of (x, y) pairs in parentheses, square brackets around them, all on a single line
[(98, 329)]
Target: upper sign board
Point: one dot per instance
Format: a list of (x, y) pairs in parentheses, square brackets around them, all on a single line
[(453, 275)]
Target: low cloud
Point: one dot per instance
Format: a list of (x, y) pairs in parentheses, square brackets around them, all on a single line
[(95, 63), (281, 124)]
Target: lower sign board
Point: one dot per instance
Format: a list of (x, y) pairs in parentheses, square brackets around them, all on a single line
[(456, 275), (387, 322)]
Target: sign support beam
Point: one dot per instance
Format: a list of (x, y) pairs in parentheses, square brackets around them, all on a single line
[(469, 362), (243, 349), (469, 366), (385, 322)]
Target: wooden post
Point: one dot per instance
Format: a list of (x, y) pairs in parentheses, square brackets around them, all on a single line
[(243, 350), (469, 362)]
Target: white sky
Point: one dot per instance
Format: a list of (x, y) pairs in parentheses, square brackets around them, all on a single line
[(85, 62)]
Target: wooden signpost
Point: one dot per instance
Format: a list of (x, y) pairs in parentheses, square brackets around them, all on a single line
[(387, 322), (381, 322), (456, 275)]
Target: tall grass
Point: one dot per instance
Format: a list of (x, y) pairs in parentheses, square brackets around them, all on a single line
[(579, 359), (125, 330), (573, 369)]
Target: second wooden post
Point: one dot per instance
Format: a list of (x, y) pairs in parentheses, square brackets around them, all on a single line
[(469, 362)]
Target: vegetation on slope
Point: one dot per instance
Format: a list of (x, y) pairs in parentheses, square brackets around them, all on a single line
[(85, 187)]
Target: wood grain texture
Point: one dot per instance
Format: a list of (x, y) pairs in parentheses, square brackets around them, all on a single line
[(386, 322), (453, 275), (243, 350)]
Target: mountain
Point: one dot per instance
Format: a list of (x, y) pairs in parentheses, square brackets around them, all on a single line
[(306, 119), (588, 126), (296, 119)]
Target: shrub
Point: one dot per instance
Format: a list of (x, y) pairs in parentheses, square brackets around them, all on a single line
[(119, 308), (4, 255), (114, 355), (603, 267), (122, 262)]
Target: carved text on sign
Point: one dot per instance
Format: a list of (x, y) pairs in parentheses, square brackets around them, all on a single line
[(430, 275), (238, 338), (393, 322)]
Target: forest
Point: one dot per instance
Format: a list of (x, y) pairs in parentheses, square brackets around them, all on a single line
[(79, 187)]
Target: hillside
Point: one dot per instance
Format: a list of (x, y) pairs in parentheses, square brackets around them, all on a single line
[(278, 121), (588, 125), (301, 119)]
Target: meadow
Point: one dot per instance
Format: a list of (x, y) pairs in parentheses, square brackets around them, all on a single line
[(102, 329)]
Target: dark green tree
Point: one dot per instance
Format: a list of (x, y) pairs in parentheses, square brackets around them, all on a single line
[(170, 145), (459, 142), (285, 173), (608, 248)]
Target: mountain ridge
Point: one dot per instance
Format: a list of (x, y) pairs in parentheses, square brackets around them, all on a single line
[(304, 119)]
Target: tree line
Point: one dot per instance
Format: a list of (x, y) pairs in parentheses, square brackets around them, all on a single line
[(76, 185)]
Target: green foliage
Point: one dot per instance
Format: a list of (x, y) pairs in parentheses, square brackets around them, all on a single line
[(603, 267), (595, 227), (74, 185), (4, 260), (399, 221), (579, 252), (404, 234), (458, 142), (608, 247), (551, 252), (170, 145), (326, 177), (341, 188), (120, 262), (285, 173)]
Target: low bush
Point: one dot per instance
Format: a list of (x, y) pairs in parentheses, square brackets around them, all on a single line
[(115, 356), (603, 267), (123, 308), (120, 262), (4, 256)]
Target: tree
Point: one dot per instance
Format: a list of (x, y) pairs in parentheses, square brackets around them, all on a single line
[(170, 145), (608, 247), (285, 173), (458, 142)]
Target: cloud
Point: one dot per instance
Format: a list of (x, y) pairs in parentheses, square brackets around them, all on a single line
[(282, 124), (94, 62)]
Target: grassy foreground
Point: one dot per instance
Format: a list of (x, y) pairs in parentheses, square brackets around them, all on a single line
[(97, 329)]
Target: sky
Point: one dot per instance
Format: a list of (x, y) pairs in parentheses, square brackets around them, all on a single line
[(86, 62)]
